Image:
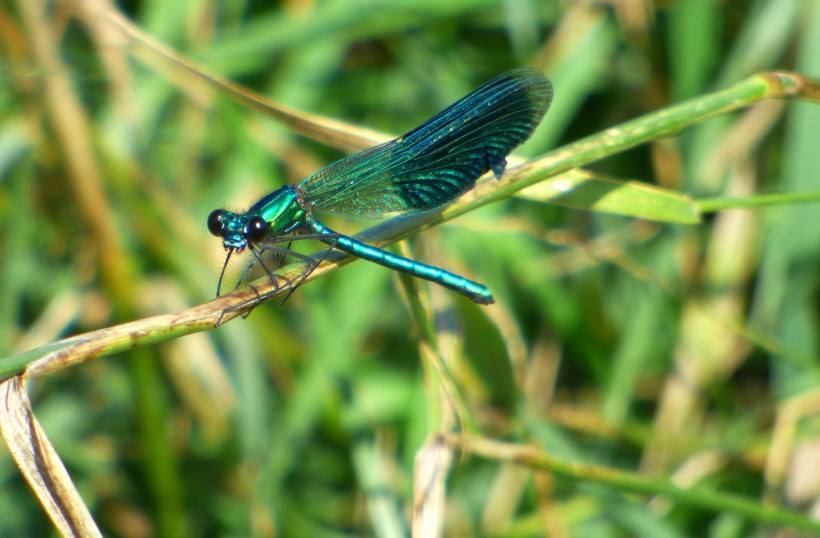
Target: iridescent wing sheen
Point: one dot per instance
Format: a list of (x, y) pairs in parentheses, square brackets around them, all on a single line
[(441, 159)]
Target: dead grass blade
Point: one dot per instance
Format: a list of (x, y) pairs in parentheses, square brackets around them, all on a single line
[(40, 464)]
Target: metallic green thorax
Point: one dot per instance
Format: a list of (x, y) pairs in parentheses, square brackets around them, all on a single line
[(282, 209)]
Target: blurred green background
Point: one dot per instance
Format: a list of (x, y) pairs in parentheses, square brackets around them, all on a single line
[(681, 352)]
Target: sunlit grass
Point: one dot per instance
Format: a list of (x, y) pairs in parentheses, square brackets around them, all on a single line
[(673, 356)]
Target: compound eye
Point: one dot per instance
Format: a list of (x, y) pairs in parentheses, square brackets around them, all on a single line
[(257, 230), (216, 222)]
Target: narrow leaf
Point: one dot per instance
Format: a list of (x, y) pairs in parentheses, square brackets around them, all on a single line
[(40, 464)]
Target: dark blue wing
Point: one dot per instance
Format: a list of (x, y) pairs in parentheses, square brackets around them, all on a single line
[(440, 160)]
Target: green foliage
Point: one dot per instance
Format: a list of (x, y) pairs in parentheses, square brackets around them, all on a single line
[(669, 352)]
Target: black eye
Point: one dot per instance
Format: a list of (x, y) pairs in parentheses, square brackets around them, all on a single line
[(257, 230), (215, 222)]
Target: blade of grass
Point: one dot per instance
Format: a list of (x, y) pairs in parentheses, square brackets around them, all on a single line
[(713, 205), (581, 190), (696, 496), (40, 464)]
